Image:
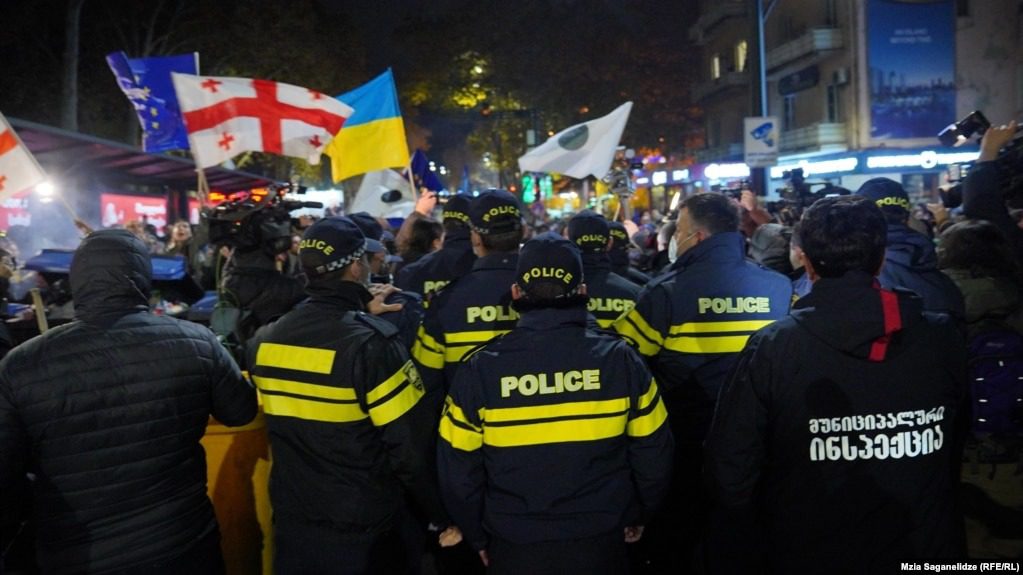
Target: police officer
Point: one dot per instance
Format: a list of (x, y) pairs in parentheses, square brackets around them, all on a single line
[(347, 428), (690, 323), (435, 270), (619, 255), (610, 294), (476, 308), (576, 446)]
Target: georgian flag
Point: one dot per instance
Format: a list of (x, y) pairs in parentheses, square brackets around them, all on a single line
[(581, 150), (227, 116), (19, 170)]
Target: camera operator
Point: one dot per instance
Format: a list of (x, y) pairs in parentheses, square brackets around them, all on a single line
[(982, 197)]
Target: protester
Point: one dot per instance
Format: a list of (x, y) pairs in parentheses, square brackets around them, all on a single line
[(556, 480), (106, 414), (836, 438), (983, 195), (349, 432), (425, 237)]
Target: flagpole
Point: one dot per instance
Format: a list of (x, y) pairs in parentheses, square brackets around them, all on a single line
[(411, 181)]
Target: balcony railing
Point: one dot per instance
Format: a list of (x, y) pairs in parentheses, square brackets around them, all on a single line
[(813, 137), (813, 42), (727, 81)]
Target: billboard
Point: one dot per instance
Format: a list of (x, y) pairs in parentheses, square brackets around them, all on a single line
[(116, 209), (911, 58)]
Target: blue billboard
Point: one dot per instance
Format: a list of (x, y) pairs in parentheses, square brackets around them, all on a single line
[(912, 58)]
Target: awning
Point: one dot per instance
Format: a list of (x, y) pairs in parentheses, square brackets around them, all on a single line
[(73, 152)]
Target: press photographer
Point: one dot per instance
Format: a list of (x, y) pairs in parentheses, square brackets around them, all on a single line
[(993, 184)]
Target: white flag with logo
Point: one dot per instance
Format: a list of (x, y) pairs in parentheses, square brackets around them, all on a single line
[(19, 170), (227, 116), (582, 150)]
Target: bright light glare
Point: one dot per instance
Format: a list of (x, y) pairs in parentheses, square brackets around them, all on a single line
[(46, 190)]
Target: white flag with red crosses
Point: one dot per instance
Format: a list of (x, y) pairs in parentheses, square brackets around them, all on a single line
[(227, 116), (19, 170)]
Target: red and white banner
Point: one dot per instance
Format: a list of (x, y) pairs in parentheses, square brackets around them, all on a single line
[(227, 116), (14, 210), (19, 170), (118, 209)]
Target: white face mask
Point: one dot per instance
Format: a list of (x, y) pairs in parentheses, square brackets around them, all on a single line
[(672, 250)]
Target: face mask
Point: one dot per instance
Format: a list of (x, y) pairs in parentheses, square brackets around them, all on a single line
[(672, 250)]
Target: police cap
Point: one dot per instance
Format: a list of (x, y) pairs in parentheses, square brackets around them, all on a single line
[(330, 244), (372, 229), (619, 236), (549, 259), (457, 208), (494, 212), (886, 193), (589, 230)]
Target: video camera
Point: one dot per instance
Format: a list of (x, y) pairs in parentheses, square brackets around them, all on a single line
[(1009, 163), (255, 222), (798, 194)]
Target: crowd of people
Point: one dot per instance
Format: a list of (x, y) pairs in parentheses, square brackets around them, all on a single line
[(715, 392)]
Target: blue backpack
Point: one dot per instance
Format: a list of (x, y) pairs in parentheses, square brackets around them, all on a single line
[(996, 383)]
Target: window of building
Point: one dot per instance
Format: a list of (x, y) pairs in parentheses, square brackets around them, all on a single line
[(834, 105), (741, 50), (789, 119), (715, 67)]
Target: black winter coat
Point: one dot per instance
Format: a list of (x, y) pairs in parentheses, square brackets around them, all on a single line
[(107, 411)]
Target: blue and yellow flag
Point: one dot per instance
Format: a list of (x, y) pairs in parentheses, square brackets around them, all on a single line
[(373, 137), (147, 83)]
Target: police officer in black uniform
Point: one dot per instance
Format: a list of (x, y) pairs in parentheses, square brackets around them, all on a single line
[(455, 258), (576, 444), (690, 323), (610, 294), (476, 308), (347, 426), (619, 255)]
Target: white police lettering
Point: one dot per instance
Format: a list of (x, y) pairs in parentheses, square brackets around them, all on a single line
[(609, 304), (559, 382), (733, 305), (910, 434), (430, 287), (490, 313)]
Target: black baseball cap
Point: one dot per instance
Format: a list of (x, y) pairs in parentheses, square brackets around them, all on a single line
[(589, 230), (457, 208), (330, 244), (494, 212), (619, 236), (886, 193), (549, 259), (372, 229)]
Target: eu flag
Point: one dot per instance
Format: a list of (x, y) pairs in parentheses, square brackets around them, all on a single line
[(147, 84), (421, 173)]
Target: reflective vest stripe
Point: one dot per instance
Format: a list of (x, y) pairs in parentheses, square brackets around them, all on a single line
[(295, 357)]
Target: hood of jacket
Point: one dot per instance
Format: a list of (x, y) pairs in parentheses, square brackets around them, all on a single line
[(986, 297), (910, 249), (852, 314), (111, 275)]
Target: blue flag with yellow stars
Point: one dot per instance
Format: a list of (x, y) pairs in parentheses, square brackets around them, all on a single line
[(147, 83)]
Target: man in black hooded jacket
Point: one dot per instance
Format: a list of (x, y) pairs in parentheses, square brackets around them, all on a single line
[(837, 427), (106, 414)]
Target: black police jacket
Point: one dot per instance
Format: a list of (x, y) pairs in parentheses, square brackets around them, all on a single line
[(347, 428), (537, 446), (910, 262), (610, 294), (838, 429), (691, 322), (435, 270), (465, 315), (107, 413), (620, 265)]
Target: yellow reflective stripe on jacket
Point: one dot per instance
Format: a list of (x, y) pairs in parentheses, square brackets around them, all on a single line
[(309, 408), (540, 433), (310, 390), (525, 414), (648, 397), (470, 340), (605, 323), (384, 407), (706, 343), (457, 430), (298, 358), (719, 326), (633, 326), (427, 350), (648, 423)]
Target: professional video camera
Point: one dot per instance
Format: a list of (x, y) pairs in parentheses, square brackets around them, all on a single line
[(255, 222), (1009, 162), (798, 194)]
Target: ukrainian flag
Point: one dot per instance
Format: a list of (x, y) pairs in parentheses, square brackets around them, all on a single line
[(373, 137)]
